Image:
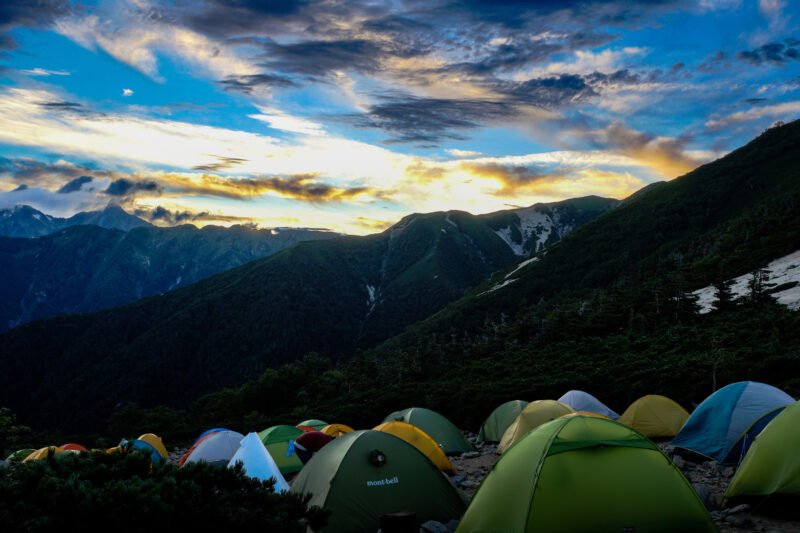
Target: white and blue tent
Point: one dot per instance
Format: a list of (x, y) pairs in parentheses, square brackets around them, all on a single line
[(217, 448), (257, 462), (724, 425), (583, 401)]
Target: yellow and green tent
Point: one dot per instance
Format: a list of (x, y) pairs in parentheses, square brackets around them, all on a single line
[(655, 416), (534, 415)]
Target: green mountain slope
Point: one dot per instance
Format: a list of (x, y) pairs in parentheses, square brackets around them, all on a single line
[(332, 296), (87, 268)]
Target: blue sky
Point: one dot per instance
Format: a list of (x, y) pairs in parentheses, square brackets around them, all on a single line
[(349, 115)]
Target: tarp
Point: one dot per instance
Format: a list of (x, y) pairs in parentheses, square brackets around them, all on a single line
[(276, 440), (655, 416), (715, 428), (440, 429), (257, 462), (216, 448), (365, 474), (498, 421), (583, 401), (772, 464), (418, 439), (534, 415), (585, 473)]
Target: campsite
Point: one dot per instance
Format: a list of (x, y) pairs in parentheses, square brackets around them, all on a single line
[(526, 464)]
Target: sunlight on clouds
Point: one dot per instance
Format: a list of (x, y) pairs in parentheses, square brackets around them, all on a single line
[(278, 120)]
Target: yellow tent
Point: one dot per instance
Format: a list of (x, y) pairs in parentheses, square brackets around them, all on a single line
[(587, 413), (337, 430), (418, 439), (655, 416), (41, 453), (155, 442), (533, 416)]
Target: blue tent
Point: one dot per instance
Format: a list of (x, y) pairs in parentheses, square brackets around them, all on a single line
[(725, 424), (583, 401), (137, 444), (257, 462)]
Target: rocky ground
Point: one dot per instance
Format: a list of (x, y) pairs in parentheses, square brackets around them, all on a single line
[(709, 479)]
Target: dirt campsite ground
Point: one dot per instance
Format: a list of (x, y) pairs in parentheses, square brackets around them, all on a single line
[(709, 480)]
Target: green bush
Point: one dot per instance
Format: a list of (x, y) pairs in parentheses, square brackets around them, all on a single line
[(123, 492)]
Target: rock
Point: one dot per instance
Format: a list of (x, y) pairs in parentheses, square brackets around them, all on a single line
[(457, 480), (432, 526), (736, 520), (470, 455), (706, 496), (680, 463), (452, 525), (727, 471), (738, 509)]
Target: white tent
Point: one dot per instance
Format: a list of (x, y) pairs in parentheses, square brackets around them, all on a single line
[(257, 462), (217, 447), (583, 401)]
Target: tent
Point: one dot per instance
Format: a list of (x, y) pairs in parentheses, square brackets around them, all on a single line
[(313, 423), (583, 401), (276, 440), (772, 465), (534, 415), (137, 444), (362, 475), (496, 423), (655, 416), (216, 448), (19, 455), (584, 473), (257, 462), (199, 439), (155, 442), (41, 453), (419, 440), (336, 430), (73, 447), (447, 436), (724, 424)]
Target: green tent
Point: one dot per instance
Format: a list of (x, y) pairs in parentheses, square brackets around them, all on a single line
[(772, 464), (584, 473), (365, 474), (313, 423), (276, 441), (19, 455), (496, 424), (447, 436)]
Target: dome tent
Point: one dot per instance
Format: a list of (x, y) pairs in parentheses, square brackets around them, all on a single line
[(337, 430), (440, 429), (19, 455), (216, 448), (276, 441), (156, 442), (615, 478), (533, 416), (365, 474), (198, 441), (313, 423), (419, 440), (498, 421), (772, 464), (257, 462), (41, 453), (655, 416), (583, 401), (724, 424)]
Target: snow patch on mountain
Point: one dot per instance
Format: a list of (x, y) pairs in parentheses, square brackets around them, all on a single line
[(781, 271), (499, 286), (522, 265), (505, 234), (536, 227)]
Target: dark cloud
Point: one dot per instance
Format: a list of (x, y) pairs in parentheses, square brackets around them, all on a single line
[(75, 185), (775, 53), (20, 188), (756, 101), (223, 18), (317, 58), (514, 178), (128, 187), (246, 84), (222, 163), (175, 217), (619, 77), (46, 174), (509, 56), (306, 187), (39, 13), (550, 92)]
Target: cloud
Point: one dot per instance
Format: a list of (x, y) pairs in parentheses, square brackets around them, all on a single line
[(222, 163), (173, 217), (278, 120), (784, 111), (127, 92), (514, 178), (775, 53), (455, 152), (75, 185), (43, 72), (128, 187), (249, 83), (14, 13)]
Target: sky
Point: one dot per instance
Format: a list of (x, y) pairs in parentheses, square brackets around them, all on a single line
[(350, 114)]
